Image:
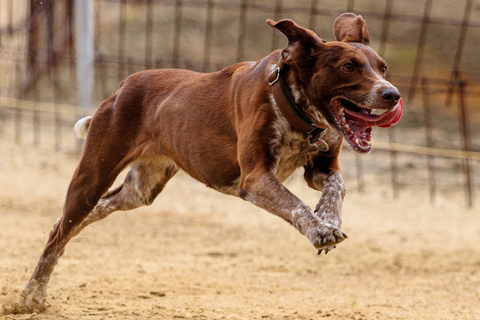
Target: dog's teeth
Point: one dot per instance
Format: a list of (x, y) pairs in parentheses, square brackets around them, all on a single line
[(356, 140), (343, 119)]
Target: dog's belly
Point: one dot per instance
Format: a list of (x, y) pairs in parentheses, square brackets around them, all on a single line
[(287, 164), (285, 170), (295, 153), (229, 184)]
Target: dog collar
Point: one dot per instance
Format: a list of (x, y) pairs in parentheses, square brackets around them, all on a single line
[(292, 112)]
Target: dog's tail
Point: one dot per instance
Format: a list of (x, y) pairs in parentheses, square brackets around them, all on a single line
[(81, 127)]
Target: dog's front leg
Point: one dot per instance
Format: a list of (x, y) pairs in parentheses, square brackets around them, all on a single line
[(329, 208), (264, 190)]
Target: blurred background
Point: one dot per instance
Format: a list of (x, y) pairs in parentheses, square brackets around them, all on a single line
[(431, 48)]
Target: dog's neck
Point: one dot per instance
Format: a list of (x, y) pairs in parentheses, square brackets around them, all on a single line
[(303, 103), (308, 108)]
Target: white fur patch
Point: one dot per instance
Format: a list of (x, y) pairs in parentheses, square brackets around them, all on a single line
[(81, 127), (373, 96), (297, 95)]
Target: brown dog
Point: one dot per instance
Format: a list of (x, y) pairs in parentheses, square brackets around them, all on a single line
[(242, 131)]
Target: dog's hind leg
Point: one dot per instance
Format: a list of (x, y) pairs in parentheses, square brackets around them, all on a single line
[(145, 180), (83, 194), (105, 155)]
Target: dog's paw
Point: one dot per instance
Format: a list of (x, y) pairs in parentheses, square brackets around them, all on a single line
[(326, 236), (32, 300), (327, 250)]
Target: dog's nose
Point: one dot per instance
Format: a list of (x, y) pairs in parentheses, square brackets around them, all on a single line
[(390, 94)]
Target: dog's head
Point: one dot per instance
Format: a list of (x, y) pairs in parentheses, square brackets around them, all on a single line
[(343, 79)]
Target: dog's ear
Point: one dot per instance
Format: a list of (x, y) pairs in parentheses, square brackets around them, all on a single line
[(351, 28), (301, 42)]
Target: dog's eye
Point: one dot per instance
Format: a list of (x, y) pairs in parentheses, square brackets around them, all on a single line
[(347, 67), (384, 71)]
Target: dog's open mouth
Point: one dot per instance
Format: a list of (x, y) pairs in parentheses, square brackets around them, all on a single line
[(356, 123)]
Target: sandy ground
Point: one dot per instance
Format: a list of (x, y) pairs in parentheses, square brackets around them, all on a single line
[(198, 254)]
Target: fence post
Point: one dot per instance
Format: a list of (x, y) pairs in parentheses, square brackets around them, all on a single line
[(177, 33), (122, 32), (465, 132), (277, 15), (420, 48), (85, 59), (242, 31), (149, 34), (313, 14), (208, 36), (393, 164), (429, 137), (458, 55)]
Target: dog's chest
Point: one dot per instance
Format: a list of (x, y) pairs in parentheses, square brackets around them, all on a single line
[(294, 152)]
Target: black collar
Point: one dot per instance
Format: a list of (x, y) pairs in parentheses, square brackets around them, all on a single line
[(292, 112)]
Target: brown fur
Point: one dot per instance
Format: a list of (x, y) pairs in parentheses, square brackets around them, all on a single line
[(224, 130)]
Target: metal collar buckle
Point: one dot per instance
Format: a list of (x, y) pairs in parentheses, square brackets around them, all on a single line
[(277, 69), (320, 144)]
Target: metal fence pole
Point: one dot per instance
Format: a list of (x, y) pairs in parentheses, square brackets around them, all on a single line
[(84, 25), (420, 47), (277, 15), (350, 5), (465, 131), (459, 52), (122, 30), (359, 170), (148, 34), (385, 27), (393, 164), (69, 20), (208, 36), (10, 16), (177, 33), (242, 30), (18, 111), (429, 136), (313, 14)]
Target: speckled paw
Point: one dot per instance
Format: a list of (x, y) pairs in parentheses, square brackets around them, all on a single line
[(328, 238)]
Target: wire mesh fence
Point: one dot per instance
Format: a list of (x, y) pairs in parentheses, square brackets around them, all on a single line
[(431, 47)]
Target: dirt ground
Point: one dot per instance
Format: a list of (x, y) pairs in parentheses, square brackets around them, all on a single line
[(198, 254)]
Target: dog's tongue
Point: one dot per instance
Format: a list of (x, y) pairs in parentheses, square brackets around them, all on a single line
[(362, 120)]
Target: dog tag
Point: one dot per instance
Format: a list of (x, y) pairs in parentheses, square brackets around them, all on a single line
[(320, 144)]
